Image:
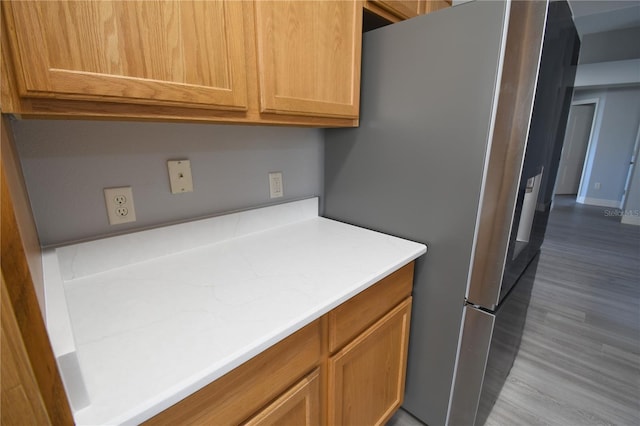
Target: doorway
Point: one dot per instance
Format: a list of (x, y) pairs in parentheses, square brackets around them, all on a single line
[(575, 149)]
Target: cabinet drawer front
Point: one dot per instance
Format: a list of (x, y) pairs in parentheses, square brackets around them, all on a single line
[(243, 391), (154, 52), (355, 315), (367, 377), (299, 406)]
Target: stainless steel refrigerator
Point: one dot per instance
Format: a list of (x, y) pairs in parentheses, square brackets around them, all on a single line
[(461, 126)]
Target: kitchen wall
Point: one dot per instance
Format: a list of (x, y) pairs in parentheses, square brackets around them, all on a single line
[(68, 163), (610, 46), (616, 126)]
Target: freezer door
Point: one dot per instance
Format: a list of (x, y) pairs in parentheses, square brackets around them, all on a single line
[(472, 360), (505, 342)]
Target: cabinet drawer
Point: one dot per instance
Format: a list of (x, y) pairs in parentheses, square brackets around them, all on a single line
[(355, 315), (243, 391), (299, 406)]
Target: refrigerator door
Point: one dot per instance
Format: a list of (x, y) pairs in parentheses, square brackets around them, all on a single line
[(507, 151), (505, 341), (472, 360), (414, 168), (546, 135)]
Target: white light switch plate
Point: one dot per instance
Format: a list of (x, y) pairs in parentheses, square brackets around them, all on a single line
[(180, 176), (276, 188)]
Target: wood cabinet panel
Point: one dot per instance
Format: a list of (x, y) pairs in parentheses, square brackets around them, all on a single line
[(433, 5), (403, 8), (299, 406), (355, 315), (309, 57), (18, 247), (173, 52), (243, 391), (399, 10), (21, 402), (367, 377)]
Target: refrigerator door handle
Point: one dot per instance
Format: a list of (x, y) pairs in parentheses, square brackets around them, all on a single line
[(472, 360)]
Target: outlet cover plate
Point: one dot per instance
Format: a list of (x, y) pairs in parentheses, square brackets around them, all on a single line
[(276, 187), (180, 176), (119, 203)]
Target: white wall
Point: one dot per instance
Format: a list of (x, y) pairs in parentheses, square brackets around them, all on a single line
[(68, 163), (617, 119)]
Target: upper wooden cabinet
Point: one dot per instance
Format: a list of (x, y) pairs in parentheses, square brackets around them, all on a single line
[(272, 62), (403, 8), (309, 57), (433, 5), (398, 10), (175, 52)]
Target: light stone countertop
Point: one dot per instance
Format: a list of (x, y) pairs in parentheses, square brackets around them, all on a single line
[(156, 315)]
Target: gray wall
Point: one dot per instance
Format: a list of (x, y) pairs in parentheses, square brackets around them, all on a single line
[(616, 125), (608, 46), (68, 163)]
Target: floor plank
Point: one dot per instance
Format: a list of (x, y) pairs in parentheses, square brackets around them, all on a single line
[(579, 360)]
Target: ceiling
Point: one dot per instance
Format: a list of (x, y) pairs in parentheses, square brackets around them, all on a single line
[(594, 16)]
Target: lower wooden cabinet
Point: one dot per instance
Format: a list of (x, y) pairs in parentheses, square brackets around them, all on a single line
[(299, 406), (366, 378), (346, 368)]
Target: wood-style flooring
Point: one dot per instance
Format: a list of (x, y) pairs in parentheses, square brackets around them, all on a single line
[(579, 359)]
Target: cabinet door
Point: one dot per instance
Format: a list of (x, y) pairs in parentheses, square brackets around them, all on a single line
[(299, 406), (309, 57), (403, 8), (366, 378), (180, 52), (433, 5)]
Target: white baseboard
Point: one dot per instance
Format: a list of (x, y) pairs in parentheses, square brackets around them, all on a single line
[(599, 202), (630, 219)]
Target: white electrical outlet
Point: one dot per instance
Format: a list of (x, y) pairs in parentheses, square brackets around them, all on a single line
[(276, 188), (180, 176), (119, 202), (596, 185)]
